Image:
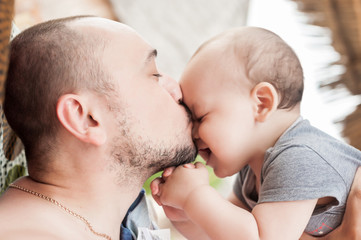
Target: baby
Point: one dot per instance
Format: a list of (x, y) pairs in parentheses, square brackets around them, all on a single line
[(244, 89)]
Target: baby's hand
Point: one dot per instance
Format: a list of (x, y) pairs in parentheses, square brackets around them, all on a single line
[(176, 184), (173, 214)]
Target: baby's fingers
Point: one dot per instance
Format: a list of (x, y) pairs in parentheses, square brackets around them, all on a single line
[(167, 172), (189, 165), (154, 186), (200, 165), (156, 190)]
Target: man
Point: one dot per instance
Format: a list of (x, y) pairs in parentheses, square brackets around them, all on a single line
[(83, 95)]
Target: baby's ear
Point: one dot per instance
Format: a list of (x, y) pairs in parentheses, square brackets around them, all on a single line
[(266, 100)]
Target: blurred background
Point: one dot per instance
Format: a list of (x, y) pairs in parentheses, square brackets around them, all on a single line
[(325, 34)]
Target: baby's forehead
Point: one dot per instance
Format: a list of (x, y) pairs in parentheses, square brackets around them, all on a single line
[(217, 62), (214, 72), (214, 57)]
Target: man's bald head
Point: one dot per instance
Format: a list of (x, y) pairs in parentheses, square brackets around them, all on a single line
[(46, 61)]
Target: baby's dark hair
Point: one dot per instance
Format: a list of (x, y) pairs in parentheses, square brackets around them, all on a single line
[(264, 57)]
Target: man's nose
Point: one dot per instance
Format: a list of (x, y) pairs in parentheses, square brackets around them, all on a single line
[(172, 87)]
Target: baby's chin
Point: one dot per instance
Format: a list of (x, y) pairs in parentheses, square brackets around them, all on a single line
[(221, 174)]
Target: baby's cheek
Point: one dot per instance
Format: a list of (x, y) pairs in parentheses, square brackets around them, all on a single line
[(206, 132)]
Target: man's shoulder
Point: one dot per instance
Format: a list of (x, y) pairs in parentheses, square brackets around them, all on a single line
[(19, 232), (32, 218), (19, 223), (15, 227)]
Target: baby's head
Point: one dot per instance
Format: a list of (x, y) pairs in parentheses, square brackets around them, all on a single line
[(256, 55), (233, 80)]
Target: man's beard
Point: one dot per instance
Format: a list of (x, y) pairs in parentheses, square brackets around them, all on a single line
[(178, 155), (143, 157)]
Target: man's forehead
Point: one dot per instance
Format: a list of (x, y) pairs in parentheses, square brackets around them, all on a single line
[(116, 35), (118, 38)]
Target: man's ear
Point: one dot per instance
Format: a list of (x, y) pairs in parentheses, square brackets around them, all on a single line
[(76, 117), (266, 100)]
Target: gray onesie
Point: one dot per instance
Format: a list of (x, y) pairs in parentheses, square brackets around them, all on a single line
[(305, 163)]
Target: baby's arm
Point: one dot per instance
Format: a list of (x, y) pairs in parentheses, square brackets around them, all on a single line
[(188, 189)]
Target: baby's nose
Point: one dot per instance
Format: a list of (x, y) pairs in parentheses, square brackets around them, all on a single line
[(195, 134), (172, 87)]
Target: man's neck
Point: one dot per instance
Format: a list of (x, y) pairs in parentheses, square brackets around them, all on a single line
[(97, 199)]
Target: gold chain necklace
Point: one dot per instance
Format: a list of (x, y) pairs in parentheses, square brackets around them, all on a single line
[(103, 235)]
